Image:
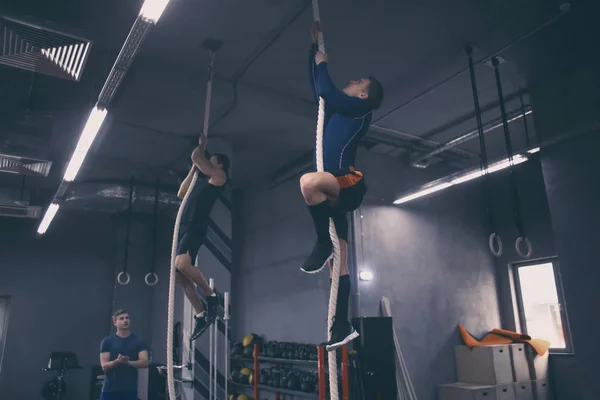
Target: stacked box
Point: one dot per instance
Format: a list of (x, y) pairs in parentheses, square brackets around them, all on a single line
[(469, 391), (484, 373)]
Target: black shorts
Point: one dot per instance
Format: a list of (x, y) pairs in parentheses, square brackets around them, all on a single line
[(190, 240), (352, 191)]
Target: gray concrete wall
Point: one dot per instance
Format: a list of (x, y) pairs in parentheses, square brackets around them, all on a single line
[(567, 107), (63, 292), (430, 258), (571, 176)]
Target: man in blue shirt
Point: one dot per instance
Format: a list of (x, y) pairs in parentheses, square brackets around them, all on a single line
[(121, 355), (340, 189)]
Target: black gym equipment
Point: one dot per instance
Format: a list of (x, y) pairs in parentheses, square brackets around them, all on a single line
[(61, 362), (237, 349), (376, 357)]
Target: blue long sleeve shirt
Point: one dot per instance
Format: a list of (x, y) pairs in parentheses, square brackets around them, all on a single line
[(347, 118)]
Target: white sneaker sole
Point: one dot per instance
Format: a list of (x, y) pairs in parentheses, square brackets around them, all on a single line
[(346, 340), (317, 270)]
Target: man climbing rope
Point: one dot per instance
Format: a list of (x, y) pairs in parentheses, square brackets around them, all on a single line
[(193, 229), (340, 188)]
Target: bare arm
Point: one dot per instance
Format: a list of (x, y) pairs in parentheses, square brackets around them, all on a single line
[(142, 362), (105, 362), (185, 185), (215, 175)]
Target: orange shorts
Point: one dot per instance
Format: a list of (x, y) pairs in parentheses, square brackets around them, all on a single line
[(352, 190)]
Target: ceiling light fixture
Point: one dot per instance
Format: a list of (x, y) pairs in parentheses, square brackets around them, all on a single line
[(48, 217), (68, 58), (91, 129), (153, 9), (465, 176)]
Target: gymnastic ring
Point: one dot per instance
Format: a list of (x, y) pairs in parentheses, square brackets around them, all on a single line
[(518, 242), (148, 275), (128, 278), (495, 239)]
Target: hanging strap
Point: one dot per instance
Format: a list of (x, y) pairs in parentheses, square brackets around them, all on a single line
[(524, 121), (514, 193), (151, 277), (123, 278), (494, 241), (335, 276)]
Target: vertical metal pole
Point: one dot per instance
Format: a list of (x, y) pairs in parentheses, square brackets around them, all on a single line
[(345, 384), (226, 341), (211, 283), (321, 360), (215, 327)]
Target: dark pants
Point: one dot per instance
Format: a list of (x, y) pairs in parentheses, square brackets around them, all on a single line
[(121, 395)]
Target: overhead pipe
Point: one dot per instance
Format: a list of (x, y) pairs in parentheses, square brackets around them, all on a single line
[(564, 9), (305, 162), (113, 195), (496, 123), (421, 139)]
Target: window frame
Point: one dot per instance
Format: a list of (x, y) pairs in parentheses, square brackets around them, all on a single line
[(520, 320)]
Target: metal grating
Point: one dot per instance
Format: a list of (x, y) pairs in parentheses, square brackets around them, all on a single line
[(20, 211), (128, 52), (24, 166), (32, 47)]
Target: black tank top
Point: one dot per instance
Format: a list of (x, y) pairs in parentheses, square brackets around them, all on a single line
[(200, 203)]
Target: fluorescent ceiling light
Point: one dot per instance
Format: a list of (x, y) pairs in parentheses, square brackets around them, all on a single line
[(86, 139), (48, 217), (457, 179), (534, 150), (153, 9), (424, 192), (500, 165)]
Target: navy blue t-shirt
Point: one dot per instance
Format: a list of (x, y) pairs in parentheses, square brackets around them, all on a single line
[(123, 377)]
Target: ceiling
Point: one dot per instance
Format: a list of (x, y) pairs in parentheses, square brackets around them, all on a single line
[(261, 101)]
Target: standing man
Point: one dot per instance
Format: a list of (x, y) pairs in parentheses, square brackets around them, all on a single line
[(193, 230), (121, 355), (340, 189)]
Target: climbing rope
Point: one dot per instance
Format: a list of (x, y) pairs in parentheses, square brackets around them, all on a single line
[(171, 306), (335, 276), (514, 193)]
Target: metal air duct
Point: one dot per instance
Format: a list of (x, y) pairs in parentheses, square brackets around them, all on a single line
[(113, 196), (39, 48)]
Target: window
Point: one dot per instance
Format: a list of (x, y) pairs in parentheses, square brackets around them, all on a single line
[(540, 303)]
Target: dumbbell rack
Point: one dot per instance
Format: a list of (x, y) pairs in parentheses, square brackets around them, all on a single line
[(322, 368)]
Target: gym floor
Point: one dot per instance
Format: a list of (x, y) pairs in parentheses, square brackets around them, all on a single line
[(430, 256)]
